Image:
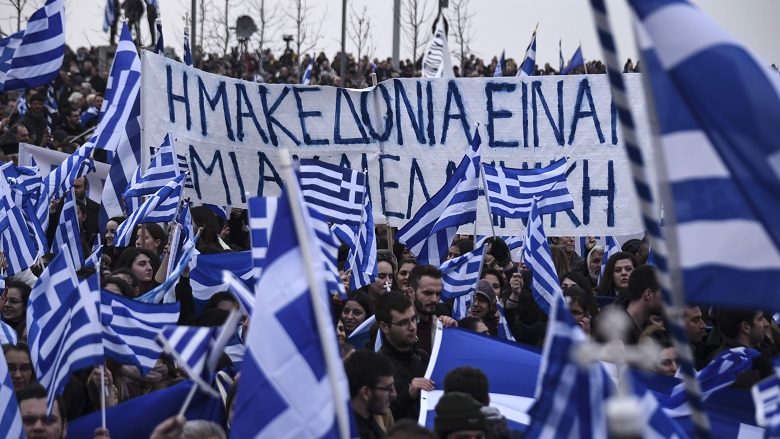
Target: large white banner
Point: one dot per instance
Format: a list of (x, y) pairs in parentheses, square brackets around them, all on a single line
[(408, 133)]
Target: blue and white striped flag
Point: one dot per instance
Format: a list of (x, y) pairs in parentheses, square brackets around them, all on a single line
[(536, 254), (654, 421), (570, 399), (160, 207), (59, 181), (514, 243), (611, 247), (429, 233), (7, 333), (766, 397), (528, 66), (334, 191), (306, 78), (33, 57), (261, 216), (159, 46), (504, 331), (21, 101), (17, 238), (511, 191), (25, 183), (500, 65), (362, 334), (118, 130), (730, 190), (239, 290), (51, 108), (460, 275), (162, 168), (130, 329), (576, 61), (182, 233), (329, 246), (361, 260), (93, 260), (187, 51), (68, 233), (285, 340), (436, 59), (197, 350), (166, 291), (10, 419), (63, 327), (461, 306), (87, 116), (108, 15), (206, 272)]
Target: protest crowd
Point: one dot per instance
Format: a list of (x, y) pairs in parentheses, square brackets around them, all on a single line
[(160, 280)]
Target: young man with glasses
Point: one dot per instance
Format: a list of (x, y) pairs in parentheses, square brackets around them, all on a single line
[(398, 325), (371, 390)]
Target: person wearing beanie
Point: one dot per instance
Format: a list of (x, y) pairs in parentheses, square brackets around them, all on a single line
[(459, 414), (483, 306)]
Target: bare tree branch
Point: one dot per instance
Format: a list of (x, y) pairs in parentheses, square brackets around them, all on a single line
[(306, 34), (462, 28), (415, 15), (360, 31), (268, 22)]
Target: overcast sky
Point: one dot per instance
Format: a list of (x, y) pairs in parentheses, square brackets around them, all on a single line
[(497, 24)]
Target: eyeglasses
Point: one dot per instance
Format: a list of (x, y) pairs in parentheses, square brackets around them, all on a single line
[(389, 388), (24, 368), (46, 419), (407, 322)]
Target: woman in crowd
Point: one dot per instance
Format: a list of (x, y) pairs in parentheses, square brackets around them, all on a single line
[(402, 278), (15, 308), (579, 302), (614, 281), (151, 237), (483, 306), (19, 365), (356, 310), (143, 264)]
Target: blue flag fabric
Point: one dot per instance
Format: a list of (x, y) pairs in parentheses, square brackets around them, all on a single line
[(529, 63), (206, 272), (511, 369), (33, 57), (187, 51), (460, 275), (576, 61), (336, 192), (361, 240), (730, 190), (137, 417), (10, 419), (536, 254), (500, 66), (68, 233)]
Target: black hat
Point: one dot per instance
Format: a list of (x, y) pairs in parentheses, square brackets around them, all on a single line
[(458, 411)]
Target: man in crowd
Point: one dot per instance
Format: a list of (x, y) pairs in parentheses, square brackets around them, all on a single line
[(398, 323), (695, 327), (643, 299), (70, 123), (371, 390), (744, 329), (35, 118), (458, 415), (37, 424), (426, 282)]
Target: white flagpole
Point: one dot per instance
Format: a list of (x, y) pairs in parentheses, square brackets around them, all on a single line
[(487, 199), (321, 316), (103, 391), (187, 401)]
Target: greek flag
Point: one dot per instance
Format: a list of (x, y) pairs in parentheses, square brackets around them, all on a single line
[(460, 275), (187, 51), (206, 271), (93, 260), (63, 327), (291, 366), (239, 290), (87, 116), (436, 62), (560, 56), (10, 419), (67, 236), (500, 65), (576, 61), (159, 47), (182, 233), (51, 108), (511, 191), (330, 251), (59, 181), (108, 15), (130, 328), (529, 63), (504, 331), (362, 247), (24, 181), (306, 78), (21, 101), (429, 233), (17, 238), (334, 191), (160, 207), (118, 130), (7, 333), (361, 335), (197, 350), (33, 57), (570, 399), (460, 308), (536, 254), (730, 190), (166, 291), (162, 168), (514, 243), (261, 216), (611, 247)]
